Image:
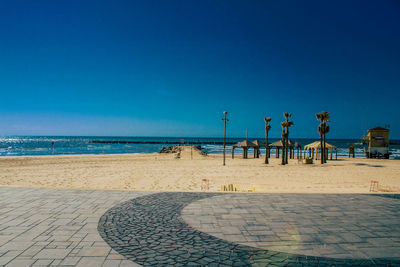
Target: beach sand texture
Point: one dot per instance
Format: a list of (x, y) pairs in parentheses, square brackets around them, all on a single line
[(164, 172)]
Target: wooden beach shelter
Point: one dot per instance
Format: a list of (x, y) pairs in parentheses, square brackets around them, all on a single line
[(315, 147), (278, 146), (259, 144), (298, 149), (245, 145)]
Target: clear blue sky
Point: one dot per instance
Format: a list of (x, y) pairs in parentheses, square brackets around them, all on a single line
[(170, 68)]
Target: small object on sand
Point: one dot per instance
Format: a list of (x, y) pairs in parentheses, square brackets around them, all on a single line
[(230, 187), (308, 161), (205, 184), (374, 186)]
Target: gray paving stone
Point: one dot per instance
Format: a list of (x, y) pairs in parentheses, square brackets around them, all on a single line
[(42, 262), (20, 263), (94, 251), (111, 263), (52, 253), (91, 261), (5, 260), (69, 260)]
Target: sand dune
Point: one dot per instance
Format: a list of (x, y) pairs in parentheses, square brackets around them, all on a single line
[(164, 172)]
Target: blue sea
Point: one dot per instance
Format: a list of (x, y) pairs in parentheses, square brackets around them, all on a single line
[(72, 145)]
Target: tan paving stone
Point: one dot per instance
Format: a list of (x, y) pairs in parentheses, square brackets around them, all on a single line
[(52, 253)]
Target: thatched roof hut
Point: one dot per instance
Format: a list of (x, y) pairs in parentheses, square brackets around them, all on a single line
[(278, 145), (245, 145), (258, 143), (316, 146)]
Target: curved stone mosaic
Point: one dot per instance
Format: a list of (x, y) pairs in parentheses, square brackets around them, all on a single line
[(150, 231)]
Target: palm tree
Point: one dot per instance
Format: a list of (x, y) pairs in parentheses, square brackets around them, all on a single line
[(319, 117), (326, 130), (285, 136), (267, 128), (287, 125), (323, 128), (283, 124)]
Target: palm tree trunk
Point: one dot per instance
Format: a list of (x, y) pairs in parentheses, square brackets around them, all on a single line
[(322, 146), (325, 156), (283, 149), (286, 145), (266, 147)]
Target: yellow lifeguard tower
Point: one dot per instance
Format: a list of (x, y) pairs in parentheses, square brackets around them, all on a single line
[(377, 141)]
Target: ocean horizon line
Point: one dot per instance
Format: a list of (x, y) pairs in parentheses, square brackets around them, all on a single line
[(178, 137)]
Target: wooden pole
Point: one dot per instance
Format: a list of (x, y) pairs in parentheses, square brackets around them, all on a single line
[(321, 144), (225, 121), (267, 128)]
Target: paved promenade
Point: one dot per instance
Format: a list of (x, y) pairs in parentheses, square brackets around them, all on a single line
[(40, 227)]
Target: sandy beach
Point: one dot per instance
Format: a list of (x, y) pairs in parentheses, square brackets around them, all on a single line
[(164, 172)]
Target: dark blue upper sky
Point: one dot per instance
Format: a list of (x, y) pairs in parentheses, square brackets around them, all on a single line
[(170, 68)]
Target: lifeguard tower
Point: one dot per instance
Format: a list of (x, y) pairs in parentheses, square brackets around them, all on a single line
[(377, 142)]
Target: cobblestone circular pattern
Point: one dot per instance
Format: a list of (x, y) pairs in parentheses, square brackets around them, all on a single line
[(150, 231)]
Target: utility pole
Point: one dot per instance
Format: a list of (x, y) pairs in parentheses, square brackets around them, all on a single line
[(267, 128), (225, 120)]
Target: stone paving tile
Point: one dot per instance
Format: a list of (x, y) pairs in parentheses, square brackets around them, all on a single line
[(72, 261), (91, 261), (111, 263), (43, 227), (94, 251), (52, 253), (20, 263), (42, 262), (126, 263)]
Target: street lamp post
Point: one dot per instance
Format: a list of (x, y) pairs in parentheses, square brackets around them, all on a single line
[(267, 128), (225, 120)]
